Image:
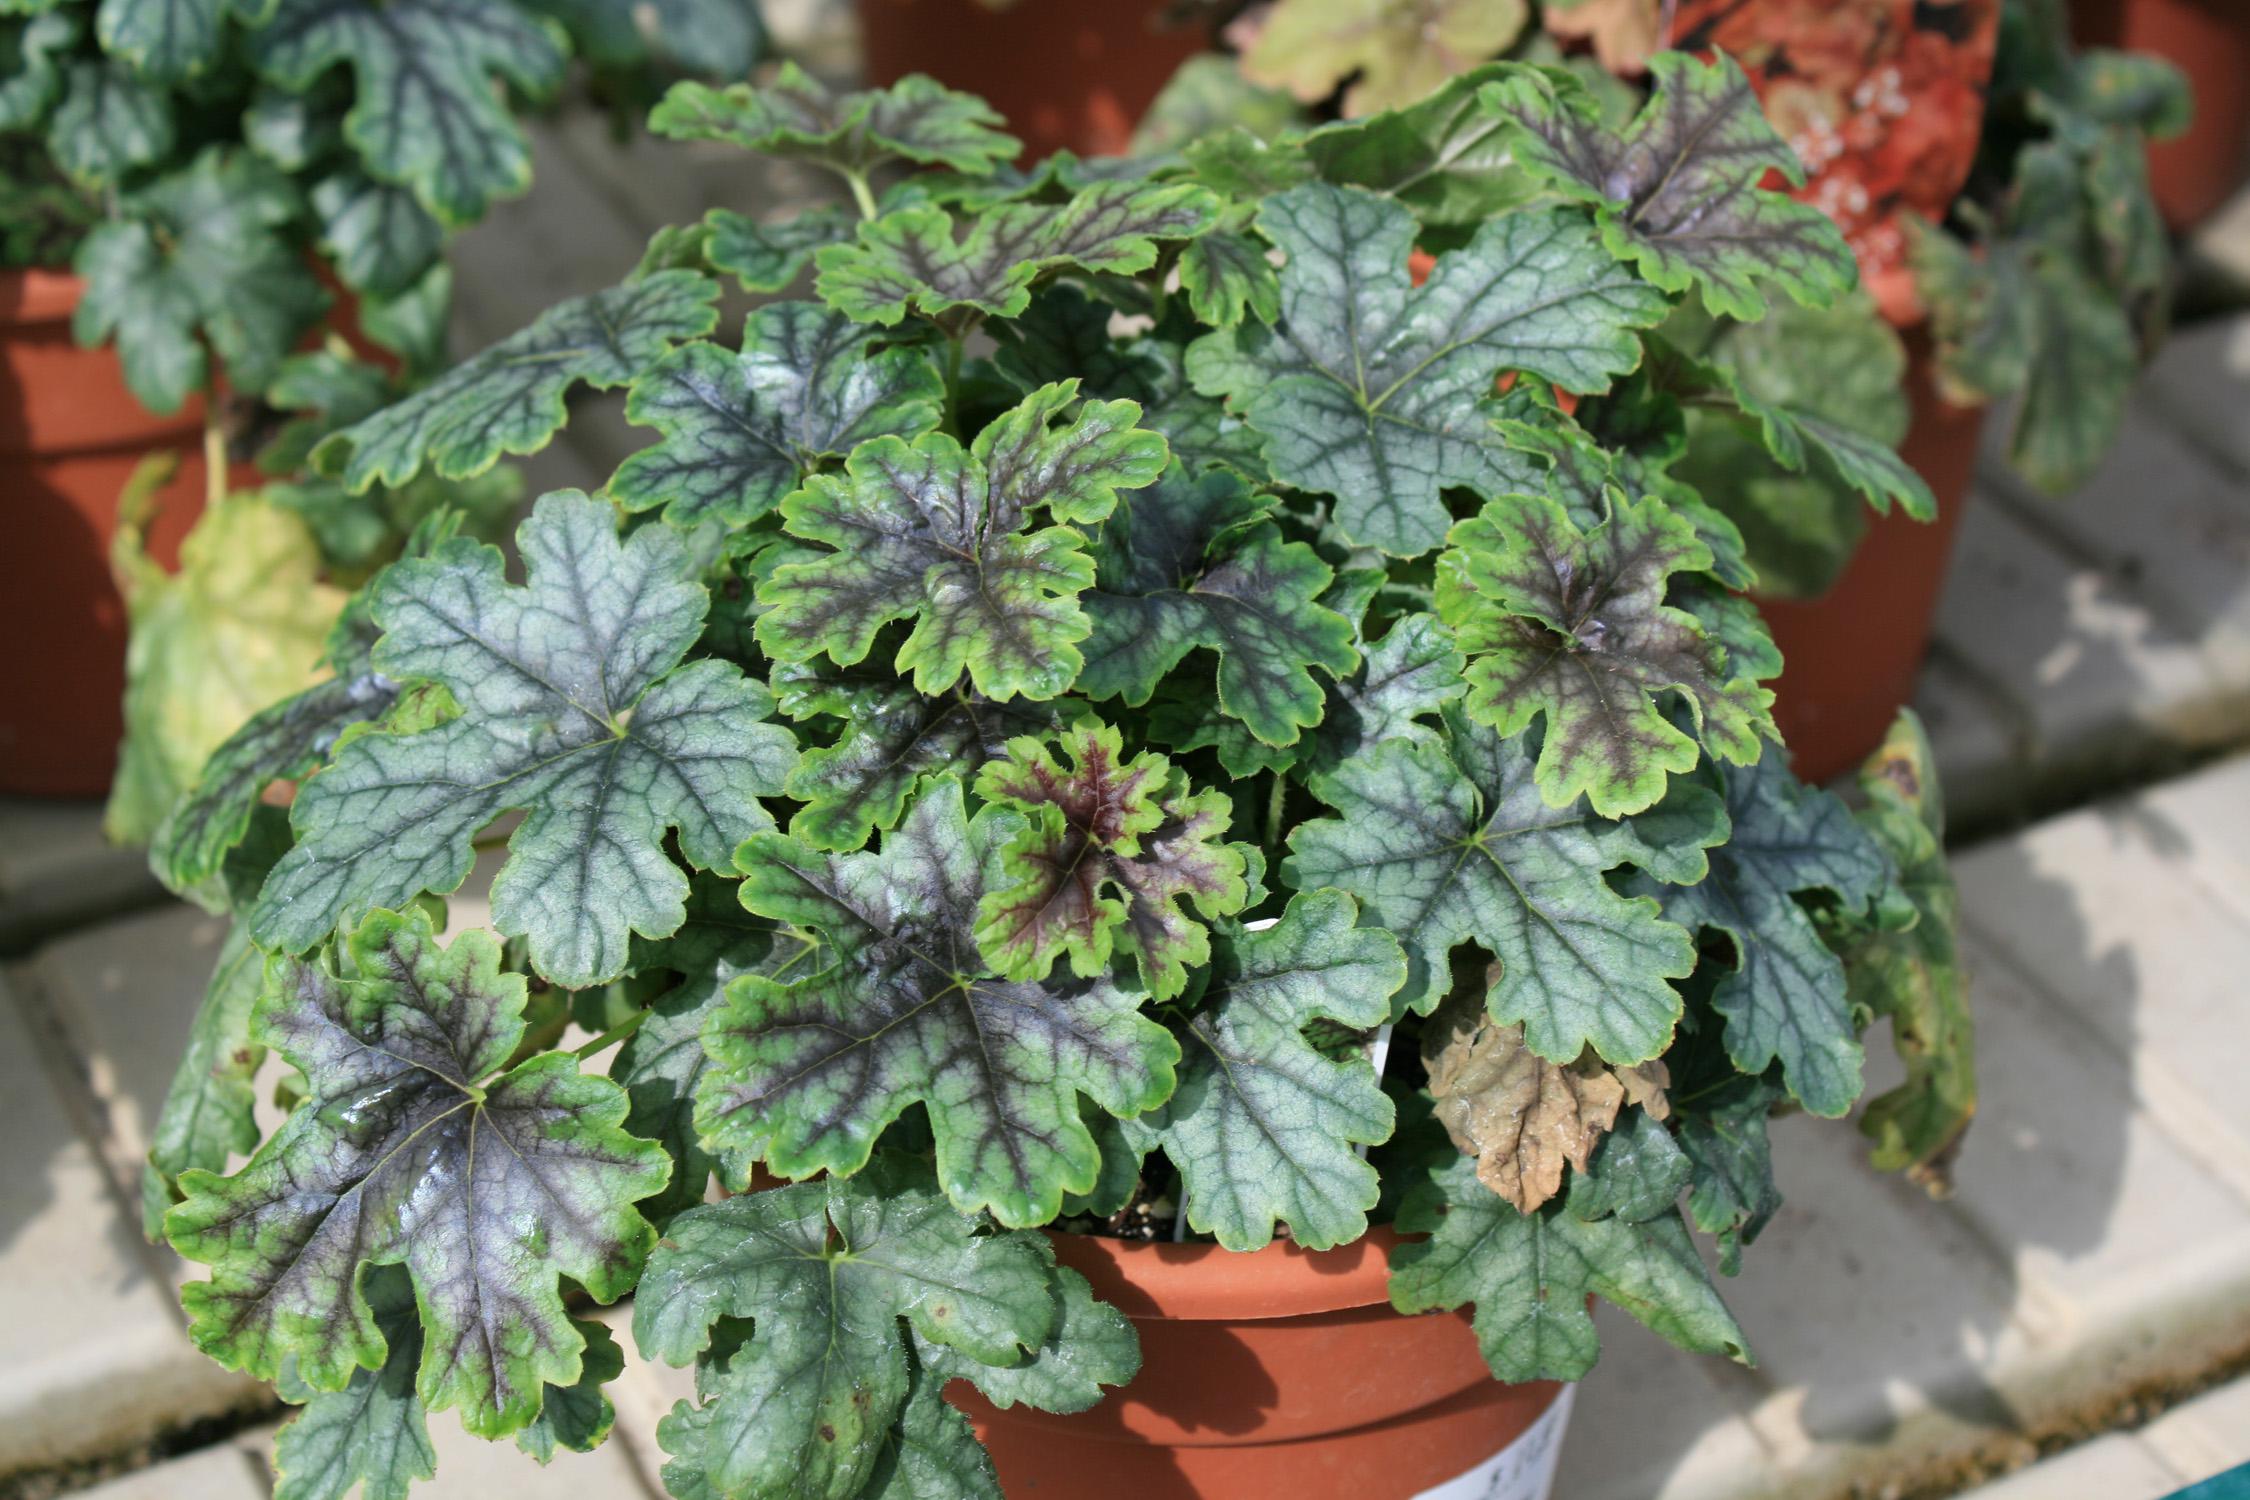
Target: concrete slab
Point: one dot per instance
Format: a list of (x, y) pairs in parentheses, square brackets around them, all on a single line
[(56, 869), (97, 1358)]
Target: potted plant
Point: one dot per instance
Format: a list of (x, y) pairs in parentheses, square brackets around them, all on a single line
[(188, 187), (2194, 170), (1280, 835)]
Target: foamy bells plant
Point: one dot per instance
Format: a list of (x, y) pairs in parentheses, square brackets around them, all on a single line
[(1035, 714)]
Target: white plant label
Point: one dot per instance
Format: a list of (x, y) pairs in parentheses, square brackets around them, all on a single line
[(1524, 1470)]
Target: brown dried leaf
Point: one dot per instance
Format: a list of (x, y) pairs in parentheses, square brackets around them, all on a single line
[(1519, 1115)]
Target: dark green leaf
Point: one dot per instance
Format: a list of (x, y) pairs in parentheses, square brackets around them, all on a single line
[(663, 1061), (509, 398), (798, 118), (891, 739), (1195, 562), (767, 257), (741, 430), (379, 237), (807, 1075), (1448, 157), (373, 1433), (1638, 1172), (407, 1149), (166, 40), (574, 707), (428, 112), (1785, 998), (1443, 849), (917, 259), (109, 122), (1386, 408), (198, 258), (1226, 275), (33, 53), (830, 1271), (1262, 1126), (1724, 1136), (1530, 1274)]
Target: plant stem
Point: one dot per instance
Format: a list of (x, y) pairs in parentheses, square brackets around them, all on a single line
[(214, 453), (615, 1034), (861, 194), (953, 343), (1274, 800)]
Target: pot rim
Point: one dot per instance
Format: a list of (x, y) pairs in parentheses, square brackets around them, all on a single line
[(37, 294), (1204, 1282)]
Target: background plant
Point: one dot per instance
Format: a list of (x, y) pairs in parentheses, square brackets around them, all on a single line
[(219, 174), (2048, 280), (1046, 732), (187, 156)]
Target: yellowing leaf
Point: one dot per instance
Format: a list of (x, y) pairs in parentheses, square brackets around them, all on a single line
[(1624, 32), (238, 627), (1399, 49)]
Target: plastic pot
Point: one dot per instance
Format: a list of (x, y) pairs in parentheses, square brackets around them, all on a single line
[(1277, 1372), (70, 436), (2209, 40), (1066, 74), (1850, 656)]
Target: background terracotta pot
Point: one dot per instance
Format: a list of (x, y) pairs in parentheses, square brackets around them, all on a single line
[(1278, 1372), (1884, 100), (70, 436), (2209, 40), (1850, 656), (1066, 73)]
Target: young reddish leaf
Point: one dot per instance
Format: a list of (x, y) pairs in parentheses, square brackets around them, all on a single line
[(1572, 624), (1680, 189), (1109, 852)]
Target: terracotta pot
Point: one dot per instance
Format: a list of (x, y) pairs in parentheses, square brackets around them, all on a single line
[(1065, 73), (2209, 40), (1851, 655), (1278, 1372), (70, 436)]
